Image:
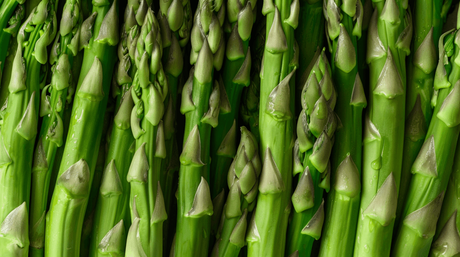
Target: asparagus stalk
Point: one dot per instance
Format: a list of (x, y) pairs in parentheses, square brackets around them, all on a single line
[(11, 14), (175, 19), (390, 33), (446, 241), (344, 27), (54, 98), (243, 183), (200, 105), (421, 68), (149, 91), (70, 196), (235, 76), (433, 166), (310, 37), (267, 234), (19, 128), (315, 130), (250, 102), (112, 206)]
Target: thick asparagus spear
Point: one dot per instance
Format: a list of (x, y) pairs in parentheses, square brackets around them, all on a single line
[(267, 233), (390, 33), (54, 99), (421, 68), (243, 182), (433, 166), (200, 105), (19, 128), (149, 91), (343, 202), (315, 131), (70, 196)]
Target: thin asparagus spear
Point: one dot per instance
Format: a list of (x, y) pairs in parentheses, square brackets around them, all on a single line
[(54, 98), (310, 37), (149, 91), (390, 33), (421, 68), (433, 166), (343, 202), (200, 105), (176, 21), (315, 131), (70, 196), (11, 13), (446, 241), (19, 128), (267, 234), (243, 182), (235, 76), (250, 103)]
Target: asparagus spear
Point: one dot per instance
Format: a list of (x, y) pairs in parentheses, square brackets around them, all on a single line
[(19, 128), (54, 98), (344, 26), (149, 91), (310, 37), (315, 130), (112, 206), (70, 196), (11, 14), (390, 33), (433, 166), (267, 234), (250, 102), (175, 19), (243, 188), (235, 76), (421, 68), (200, 105), (446, 241)]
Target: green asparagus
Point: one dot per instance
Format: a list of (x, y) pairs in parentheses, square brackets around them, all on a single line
[(390, 33), (19, 128), (201, 105), (421, 68), (315, 131), (70, 197), (53, 100), (243, 184), (343, 201), (267, 231), (433, 166)]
